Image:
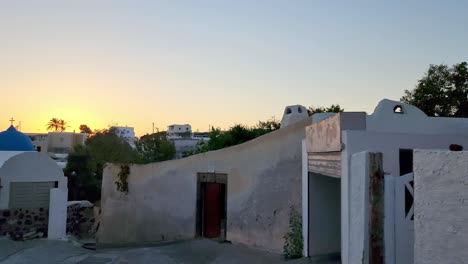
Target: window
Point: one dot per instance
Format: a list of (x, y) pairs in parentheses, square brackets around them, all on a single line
[(398, 109), (287, 111), (299, 109)]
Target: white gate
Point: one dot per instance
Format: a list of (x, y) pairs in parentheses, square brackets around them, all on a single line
[(404, 219)]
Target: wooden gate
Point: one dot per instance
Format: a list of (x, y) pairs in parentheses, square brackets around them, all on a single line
[(404, 219)]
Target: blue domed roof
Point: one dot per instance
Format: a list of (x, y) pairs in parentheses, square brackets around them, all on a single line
[(12, 140)]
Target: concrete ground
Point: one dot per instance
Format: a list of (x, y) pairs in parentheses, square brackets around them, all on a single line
[(195, 251)]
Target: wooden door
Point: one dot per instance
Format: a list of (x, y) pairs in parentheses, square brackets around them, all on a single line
[(212, 210)]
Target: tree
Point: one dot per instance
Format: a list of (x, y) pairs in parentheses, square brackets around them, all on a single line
[(443, 91), (56, 124), (155, 147), (237, 134), (53, 124), (63, 125), (320, 109), (85, 129), (269, 125), (86, 163)]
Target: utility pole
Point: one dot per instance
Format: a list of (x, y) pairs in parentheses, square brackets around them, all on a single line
[(153, 127)]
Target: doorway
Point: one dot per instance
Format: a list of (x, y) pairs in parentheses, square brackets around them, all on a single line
[(211, 205), (324, 238)]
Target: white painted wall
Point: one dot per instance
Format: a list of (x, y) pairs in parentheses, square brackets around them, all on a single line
[(441, 213), (359, 213), (293, 114), (413, 120), (389, 144), (57, 227), (305, 200), (28, 167)]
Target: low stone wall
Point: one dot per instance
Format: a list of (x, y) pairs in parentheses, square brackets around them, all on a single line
[(81, 221), (22, 224)]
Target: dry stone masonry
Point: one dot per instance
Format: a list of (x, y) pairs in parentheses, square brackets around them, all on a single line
[(23, 224)]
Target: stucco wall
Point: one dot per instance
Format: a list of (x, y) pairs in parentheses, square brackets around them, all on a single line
[(264, 180), (28, 167), (441, 213)]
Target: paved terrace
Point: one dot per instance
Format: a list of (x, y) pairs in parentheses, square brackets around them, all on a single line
[(195, 251)]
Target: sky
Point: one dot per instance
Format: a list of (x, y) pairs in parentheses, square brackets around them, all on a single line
[(214, 63)]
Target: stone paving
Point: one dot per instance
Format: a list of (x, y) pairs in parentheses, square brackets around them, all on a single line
[(195, 251)]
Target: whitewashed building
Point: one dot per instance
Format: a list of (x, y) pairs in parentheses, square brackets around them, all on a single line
[(339, 212), (33, 189), (179, 131), (184, 139), (127, 133)]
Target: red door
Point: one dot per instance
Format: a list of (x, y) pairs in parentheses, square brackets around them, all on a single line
[(212, 210)]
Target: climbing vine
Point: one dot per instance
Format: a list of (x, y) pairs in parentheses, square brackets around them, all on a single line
[(122, 182), (293, 240)]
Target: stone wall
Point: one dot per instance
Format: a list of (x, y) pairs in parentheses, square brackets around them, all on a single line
[(440, 207), (22, 224), (81, 221)]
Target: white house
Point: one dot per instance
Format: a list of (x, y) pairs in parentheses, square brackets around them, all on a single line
[(127, 133), (33, 193), (179, 131), (183, 138), (334, 168)]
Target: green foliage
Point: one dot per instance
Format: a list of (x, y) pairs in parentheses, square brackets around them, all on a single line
[(81, 172), (293, 240), (320, 109), (85, 164), (237, 134), (122, 182), (85, 129), (155, 147), (443, 91)]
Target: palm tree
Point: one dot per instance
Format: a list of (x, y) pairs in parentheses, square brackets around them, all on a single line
[(56, 124), (63, 125), (53, 124)]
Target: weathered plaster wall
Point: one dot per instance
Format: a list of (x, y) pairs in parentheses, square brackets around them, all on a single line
[(28, 167), (264, 180), (441, 213)]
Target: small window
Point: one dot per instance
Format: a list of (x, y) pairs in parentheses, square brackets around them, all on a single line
[(398, 109), (287, 111), (299, 110)]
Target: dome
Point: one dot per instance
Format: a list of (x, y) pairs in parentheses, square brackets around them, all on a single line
[(12, 140)]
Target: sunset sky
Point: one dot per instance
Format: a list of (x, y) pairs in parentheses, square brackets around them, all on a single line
[(215, 63)]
